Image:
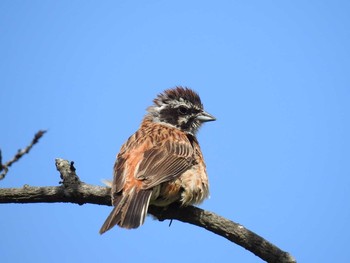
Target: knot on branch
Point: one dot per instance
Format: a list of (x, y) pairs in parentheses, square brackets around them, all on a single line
[(67, 173)]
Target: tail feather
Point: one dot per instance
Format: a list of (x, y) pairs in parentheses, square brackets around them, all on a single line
[(130, 210)]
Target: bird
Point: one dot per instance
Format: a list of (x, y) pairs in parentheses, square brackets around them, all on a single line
[(161, 163)]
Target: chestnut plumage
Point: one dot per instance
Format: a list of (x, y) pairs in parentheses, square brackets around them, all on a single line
[(161, 162)]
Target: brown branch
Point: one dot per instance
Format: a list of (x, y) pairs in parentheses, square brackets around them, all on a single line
[(73, 190), (4, 168), (228, 229)]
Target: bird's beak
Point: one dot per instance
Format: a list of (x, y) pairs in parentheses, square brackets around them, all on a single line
[(205, 116)]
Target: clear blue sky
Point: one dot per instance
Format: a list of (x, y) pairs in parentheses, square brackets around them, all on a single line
[(276, 74)]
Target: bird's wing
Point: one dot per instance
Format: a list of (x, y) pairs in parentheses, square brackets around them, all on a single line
[(164, 163), (145, 162)]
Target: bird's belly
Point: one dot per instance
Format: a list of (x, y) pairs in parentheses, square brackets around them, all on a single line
[(195, 186), (166, 193), (190, 188)]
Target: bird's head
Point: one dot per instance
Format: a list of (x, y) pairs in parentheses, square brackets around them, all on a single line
[(181, 108)]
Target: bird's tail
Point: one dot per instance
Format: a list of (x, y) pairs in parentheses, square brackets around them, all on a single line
[(130, 209)]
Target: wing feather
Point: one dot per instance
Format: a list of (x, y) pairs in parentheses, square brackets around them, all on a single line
[(164, 163), (152, 161)]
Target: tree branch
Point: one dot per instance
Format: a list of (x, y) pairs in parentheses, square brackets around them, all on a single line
[(73, 190), (4, 168)]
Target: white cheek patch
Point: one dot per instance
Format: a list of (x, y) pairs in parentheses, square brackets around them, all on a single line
[(183, 119)]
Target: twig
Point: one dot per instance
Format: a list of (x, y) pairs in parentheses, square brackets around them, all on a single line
[(4, 168), (73, 190)]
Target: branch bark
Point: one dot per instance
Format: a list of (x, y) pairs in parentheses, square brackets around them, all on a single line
[(72, 190)]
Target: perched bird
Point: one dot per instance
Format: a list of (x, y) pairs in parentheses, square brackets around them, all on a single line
[(161, 163)]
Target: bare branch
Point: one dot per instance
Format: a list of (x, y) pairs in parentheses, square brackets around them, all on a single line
[(73, 190), (4, 168), (226, 228)]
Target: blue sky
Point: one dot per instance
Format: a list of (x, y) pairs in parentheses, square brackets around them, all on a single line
[(274, 73)]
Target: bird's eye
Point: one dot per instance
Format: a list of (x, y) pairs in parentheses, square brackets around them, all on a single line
[(182, 110)]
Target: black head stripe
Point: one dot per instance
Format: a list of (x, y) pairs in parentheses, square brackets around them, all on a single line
[(179, 94)]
